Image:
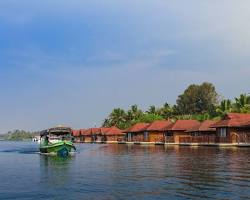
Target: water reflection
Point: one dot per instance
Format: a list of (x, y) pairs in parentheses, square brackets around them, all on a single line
[(127, 172), (55, 170)]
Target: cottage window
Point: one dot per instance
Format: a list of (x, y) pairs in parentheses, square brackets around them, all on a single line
[(145, 136), (129, 137), (169, 134), (222, 132), (195, 134)]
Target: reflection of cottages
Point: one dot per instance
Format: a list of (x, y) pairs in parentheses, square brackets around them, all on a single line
[(233, 128), (137, 133)]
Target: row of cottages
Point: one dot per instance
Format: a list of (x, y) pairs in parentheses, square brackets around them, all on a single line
[(163, 131), (201, 133), (99, 135), (178, 131), (137, 133), (233, 128)]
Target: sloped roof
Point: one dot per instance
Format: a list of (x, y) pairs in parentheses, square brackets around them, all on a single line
[(233, 120), (183, 125), (104, 130), (114, 131), (203, 126), (246, 124), (93, 131), (84, 132), (75, 133), (159, 125), (90, 131), (139, 127)]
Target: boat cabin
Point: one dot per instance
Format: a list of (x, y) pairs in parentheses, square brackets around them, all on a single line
[(54, 135)]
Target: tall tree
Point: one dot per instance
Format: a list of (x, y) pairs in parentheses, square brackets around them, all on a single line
[(197, 99)]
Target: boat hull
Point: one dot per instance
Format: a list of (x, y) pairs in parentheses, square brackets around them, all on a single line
[(63, 148)]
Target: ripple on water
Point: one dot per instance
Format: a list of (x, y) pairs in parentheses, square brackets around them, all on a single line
[(125, 172)]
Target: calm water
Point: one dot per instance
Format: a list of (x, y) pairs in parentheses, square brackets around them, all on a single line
[(125, 172)]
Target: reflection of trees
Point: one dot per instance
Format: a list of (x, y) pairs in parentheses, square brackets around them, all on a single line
[(55, 170), (201, 168), (198, 163)]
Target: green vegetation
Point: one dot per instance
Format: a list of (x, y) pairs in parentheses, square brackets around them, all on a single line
[(200, 102), (197, 99), (18, 135)]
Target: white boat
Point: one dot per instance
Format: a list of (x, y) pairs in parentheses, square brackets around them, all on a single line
[(37, 139)]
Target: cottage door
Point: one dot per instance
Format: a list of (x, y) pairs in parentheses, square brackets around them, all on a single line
[(129, 137), (234, 138), (145, 136)]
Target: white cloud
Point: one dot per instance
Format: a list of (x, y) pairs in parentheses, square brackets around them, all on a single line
[(153, 51)]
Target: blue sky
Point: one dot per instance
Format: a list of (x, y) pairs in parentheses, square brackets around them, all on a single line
[(72, 62)]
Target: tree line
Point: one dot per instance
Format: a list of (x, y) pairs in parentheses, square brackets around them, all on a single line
[(18, 135), (200, 102)]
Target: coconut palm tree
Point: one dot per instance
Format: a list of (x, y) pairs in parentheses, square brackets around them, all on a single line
[(152, 110), (242, 103), (135, 112), (117, 118), (166, 111), (224, 107), (106, 123)]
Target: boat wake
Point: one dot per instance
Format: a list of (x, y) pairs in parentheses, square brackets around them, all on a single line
[(21, 151)]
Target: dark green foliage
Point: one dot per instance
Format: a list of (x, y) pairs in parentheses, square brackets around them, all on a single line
[(198, 102), (116, 118), (197, 99), (224, 107), (242, 104), (149, 117)]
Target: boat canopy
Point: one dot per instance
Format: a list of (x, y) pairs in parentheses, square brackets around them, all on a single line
[(56, 131)]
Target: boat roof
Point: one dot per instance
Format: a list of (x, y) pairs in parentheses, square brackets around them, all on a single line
[(59, 130)]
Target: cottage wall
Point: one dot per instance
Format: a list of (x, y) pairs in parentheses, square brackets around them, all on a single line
[(181, 136), (87, 139), (137, 137), (221, 138), (239, 135), (156, 136), (114, 138), (77, 139), (99, 138)]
